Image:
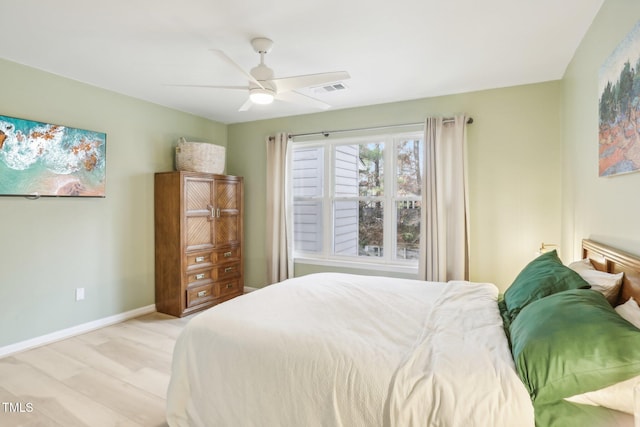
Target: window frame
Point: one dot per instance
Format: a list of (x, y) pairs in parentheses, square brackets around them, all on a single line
[(326, 257)]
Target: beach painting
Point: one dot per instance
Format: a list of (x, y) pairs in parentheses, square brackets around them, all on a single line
[(40, 159), (619, 108)]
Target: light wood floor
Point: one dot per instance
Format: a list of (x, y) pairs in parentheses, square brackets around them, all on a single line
[(115, 376)]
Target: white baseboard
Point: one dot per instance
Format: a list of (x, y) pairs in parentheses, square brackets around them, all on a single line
[(75, 330)]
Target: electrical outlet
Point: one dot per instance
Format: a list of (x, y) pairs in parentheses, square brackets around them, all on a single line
[(79, 294)]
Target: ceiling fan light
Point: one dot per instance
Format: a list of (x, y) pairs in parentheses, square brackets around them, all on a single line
[(261, 96)]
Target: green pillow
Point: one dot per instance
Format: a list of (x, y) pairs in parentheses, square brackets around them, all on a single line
[(545, 275), (573, 342), (506, 321), (567, 414)]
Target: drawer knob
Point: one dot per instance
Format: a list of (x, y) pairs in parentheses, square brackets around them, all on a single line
[(228, 269), (200, 276), (229, 285), (202, 294), (227, 254), (199, 258)]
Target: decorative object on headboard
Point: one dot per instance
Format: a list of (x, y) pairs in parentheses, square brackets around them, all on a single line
[(619, 144), (40, 159)]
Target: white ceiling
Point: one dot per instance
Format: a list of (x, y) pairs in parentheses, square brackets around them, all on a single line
[(393, 50)]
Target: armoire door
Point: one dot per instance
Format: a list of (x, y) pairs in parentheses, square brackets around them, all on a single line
[(199, 213), (228, 200)]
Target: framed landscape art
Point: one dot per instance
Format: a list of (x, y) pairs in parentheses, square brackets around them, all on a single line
[(619, 108), (40, 159)]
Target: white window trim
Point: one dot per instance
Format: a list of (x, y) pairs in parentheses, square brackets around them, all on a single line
[(325, 258), (356, 264)]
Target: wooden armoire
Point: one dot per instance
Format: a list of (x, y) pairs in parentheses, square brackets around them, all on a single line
[(198, 240)]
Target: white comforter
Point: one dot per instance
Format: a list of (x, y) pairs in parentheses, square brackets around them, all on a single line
[(343, 350)]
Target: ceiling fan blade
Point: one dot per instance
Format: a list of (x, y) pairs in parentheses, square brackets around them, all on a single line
[(233, 63), (246, 105), (214, 87), (298, 98), (287, 84)]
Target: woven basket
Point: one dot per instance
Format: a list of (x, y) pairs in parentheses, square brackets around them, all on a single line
[(199, 157)]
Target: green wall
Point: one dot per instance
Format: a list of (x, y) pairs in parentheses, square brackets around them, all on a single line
[(514, 171), (49, 247), (603, 209)]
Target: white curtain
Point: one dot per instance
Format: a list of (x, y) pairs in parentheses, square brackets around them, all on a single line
[(279, 262), (444, 234)]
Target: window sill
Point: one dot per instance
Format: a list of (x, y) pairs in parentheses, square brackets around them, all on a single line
[(393, 268)]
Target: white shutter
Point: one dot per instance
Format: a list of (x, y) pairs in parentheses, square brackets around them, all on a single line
[(345, 213), (307, 179)]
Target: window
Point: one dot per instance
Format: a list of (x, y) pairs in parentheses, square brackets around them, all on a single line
[(358, 199)]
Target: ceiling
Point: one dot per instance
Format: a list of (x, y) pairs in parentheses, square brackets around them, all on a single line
[(393, 50)]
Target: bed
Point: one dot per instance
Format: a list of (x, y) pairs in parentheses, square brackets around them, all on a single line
[(335, 349)]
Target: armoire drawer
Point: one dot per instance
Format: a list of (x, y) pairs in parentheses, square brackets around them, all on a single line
[(200, 294), (227, 287), (198, 276), (199, 259), (226, 255), (226, 271)]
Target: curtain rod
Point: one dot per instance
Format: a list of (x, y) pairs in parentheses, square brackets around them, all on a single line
[(328, 132)]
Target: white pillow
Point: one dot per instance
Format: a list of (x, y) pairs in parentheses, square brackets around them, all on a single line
[(606, 283), (630, 311), (618, 396)]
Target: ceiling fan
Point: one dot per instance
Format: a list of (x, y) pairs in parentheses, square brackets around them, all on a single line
[(263, 88)]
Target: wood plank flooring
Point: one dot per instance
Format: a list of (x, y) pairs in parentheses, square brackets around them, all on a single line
[(114, 376)]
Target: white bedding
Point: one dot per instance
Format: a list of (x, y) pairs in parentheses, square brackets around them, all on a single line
[(343, 350)]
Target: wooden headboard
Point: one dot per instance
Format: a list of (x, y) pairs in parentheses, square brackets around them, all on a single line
[(612, 260)]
